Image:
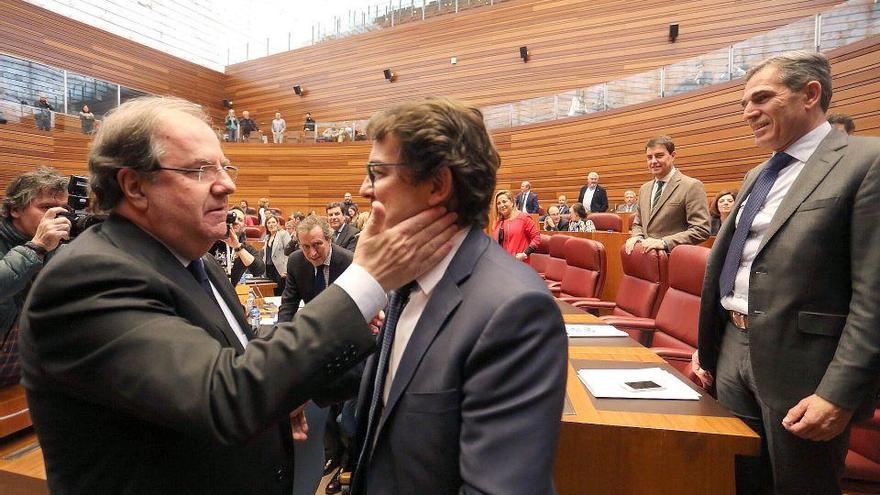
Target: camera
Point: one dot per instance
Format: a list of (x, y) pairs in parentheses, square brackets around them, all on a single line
[(78, 206)]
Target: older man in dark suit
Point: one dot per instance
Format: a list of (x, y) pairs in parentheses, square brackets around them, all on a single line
[(593, 196), (471, 368), (789, 323), (142, 375)]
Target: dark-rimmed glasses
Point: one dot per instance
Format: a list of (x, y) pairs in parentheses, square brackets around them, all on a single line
[(371, 174), (209, 172)]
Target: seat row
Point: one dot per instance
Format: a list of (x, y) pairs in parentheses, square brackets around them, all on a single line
[(658, 304)]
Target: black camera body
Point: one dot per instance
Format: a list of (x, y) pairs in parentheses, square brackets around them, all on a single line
[(78, 205)]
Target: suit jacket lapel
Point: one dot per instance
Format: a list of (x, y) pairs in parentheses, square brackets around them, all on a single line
[(444, 300), (664, 195), (817, 167)]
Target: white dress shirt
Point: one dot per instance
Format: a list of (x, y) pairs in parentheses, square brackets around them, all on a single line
[(587, 199), (418, 300), (801, 151)]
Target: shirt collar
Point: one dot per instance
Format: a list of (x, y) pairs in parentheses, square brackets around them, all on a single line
[(329, 255), (668, 176), (803, 148), (429, 280)]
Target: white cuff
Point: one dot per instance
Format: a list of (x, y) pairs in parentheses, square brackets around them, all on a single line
[(363, 289)]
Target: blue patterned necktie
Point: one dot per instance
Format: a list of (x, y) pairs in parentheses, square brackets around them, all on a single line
[(753, 205), (396, 303), (320, 284)]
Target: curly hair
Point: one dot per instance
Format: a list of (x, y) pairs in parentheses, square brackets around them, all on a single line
[(27, 186), (434, 133)]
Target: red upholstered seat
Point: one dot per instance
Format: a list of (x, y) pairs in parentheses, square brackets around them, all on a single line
[(584, 276), (862, 471), (556, 263), (251, 220), (606, 221), (644, 281), (538, 259), (253, 232), (277, 212)]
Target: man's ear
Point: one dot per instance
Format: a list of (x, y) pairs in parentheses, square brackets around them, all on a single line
[(132, 185), (812, 94), (441, 187)]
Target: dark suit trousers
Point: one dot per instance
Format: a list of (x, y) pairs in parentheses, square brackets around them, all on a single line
[(788, 465)]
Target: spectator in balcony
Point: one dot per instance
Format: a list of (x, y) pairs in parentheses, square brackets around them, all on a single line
[(514, 230), (275, 241), (279, 127), (555, 221), (43, 113), (720, 209), (87, 120), (843, 122), (232, 126), (247, 125), (577, 219), (309, 124), (630, 205)]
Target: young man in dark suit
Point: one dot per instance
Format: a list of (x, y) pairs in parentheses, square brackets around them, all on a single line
[(344, 234), (789, 320), (471, 368), (142, 375)]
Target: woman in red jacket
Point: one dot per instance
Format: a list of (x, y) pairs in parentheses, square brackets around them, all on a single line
[(515, 230)]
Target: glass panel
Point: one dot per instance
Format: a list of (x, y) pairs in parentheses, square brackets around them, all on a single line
[(797, 36), (100, 96), (496, 117), (581, 101), (126, 94), (533, 110), (432, 8), (634, 89), (697, 72), (23, 82), (849, 23), (447, 6)]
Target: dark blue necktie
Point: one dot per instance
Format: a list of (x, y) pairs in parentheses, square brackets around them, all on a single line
[(197, 269), (319, 284), (397, 302), (754, 202)]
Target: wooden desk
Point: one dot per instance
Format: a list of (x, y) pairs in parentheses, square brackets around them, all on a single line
[(21, 465), (611, 446)]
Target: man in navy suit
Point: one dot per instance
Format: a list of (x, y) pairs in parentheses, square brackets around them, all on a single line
[(471, 368), (526, 200)]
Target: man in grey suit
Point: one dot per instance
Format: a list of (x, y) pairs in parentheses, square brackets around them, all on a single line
[(142, 375), (789, 321), (471, 369), (672, 207)]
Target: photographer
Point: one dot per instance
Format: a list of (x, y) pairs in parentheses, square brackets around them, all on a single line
[(31, 227), (234, 255)]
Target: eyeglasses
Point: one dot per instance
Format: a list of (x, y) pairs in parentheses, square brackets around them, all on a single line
[(371, 168), (208, 173)]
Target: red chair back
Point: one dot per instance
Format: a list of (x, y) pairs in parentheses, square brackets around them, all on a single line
[(277, 212), (539, 258), (556, 263), (645, 278), (585, 270), (678, 317), (251, 220), (253, 232), (862, 473), (606, 221)]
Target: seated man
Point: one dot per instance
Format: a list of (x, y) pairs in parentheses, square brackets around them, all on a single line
[(629, 204), (344, 233), (31, 228), (235, 255), (554, 221)]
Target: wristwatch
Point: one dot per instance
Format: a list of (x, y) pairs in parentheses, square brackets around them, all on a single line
[(666, 246), (239, 248), (40, 250)]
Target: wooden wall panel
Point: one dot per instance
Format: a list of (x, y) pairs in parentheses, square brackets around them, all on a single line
[(714, 145), (574, 44), (34, 33)]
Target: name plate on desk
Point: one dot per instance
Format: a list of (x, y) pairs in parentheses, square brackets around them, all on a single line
[(592, 330)]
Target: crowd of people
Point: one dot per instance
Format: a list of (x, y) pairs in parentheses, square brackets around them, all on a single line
[(411, 348)]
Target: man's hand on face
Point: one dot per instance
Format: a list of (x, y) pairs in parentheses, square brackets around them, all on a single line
[(52, 229), (399, 254)]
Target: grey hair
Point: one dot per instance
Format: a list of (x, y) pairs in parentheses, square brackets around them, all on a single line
[(797, 69), (312, 221), (27, 186), (127, 139)]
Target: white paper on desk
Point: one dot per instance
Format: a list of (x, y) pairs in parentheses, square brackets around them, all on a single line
[(592, 330), (608, 384), (276, 300)]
